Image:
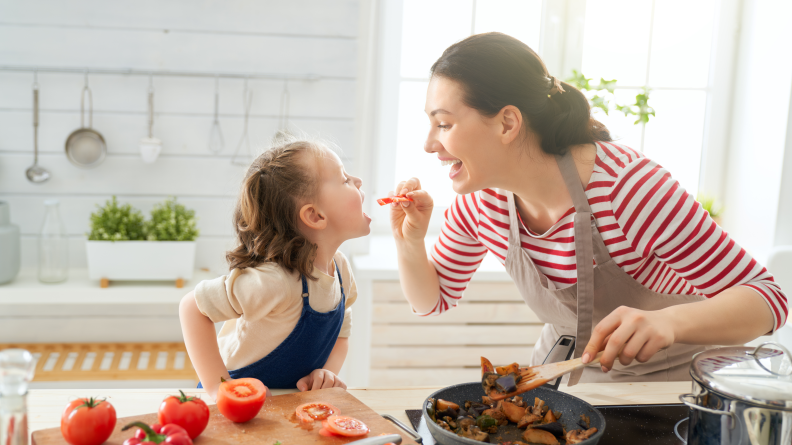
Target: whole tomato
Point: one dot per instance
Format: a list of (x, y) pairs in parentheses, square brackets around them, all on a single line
[(88, 421), (190, 413)]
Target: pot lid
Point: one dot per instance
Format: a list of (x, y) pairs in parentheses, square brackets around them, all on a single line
[(760, 375)]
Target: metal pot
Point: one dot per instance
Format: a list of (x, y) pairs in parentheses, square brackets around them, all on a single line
[(741, 396)]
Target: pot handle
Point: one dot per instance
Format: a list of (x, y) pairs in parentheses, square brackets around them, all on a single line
[(779, 346), (684, 399)]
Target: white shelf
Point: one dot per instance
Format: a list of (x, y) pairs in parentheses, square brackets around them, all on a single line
[(79, 289)]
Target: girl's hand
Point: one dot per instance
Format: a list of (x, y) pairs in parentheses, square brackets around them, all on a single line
[(320, 379), (410, 220), (630, 334)]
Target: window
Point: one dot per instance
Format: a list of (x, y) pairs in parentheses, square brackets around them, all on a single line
[(641, 43)]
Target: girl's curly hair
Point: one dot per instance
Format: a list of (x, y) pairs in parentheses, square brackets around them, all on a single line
[(267, 213)]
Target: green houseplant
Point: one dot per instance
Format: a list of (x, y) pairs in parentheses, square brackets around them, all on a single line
[(123, 246)]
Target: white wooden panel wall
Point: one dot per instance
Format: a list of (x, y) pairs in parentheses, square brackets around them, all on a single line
[(301, 38)]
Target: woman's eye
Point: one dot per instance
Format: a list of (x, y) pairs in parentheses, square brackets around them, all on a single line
[(444, 127)]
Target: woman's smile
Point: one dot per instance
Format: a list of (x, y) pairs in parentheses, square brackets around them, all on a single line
[(456, 165)]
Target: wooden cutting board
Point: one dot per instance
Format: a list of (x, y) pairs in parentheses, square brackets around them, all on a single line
[(273, 423)]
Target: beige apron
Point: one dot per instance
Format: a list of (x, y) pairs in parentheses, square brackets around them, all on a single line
[(599, 290)]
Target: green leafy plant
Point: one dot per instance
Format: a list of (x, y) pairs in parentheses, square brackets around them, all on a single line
[(171, 221), (601, 96), (710, 204), (116, 223)]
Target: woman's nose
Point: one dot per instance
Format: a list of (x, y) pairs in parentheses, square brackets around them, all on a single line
[(432, 145)]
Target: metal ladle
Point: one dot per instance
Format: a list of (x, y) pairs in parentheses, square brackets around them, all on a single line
[(36, 173), (216, 140)]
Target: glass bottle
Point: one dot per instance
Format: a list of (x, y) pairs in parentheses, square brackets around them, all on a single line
[(16, 372), (53, 246)]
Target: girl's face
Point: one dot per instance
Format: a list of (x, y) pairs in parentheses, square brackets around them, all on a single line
[(462, 138), (341, 199)]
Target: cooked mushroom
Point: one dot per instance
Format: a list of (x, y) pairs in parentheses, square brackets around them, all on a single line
[(549, 417), (528, 419), (577, 436), (474, 433), (513, 412), (538, 407), (465, 421), (534, 435), (450, 412), (488, 381), (451, 422), (442, 405), (444, 425), (554, 428), (517, 400)]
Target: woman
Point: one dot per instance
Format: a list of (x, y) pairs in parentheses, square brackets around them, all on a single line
[(602, 243)]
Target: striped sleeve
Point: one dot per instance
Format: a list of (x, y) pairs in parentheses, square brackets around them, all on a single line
[(458, 253), (661, 220)]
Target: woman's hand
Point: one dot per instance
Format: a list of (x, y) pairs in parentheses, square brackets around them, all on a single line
[(630, 334), (410, 220), (319, 379)]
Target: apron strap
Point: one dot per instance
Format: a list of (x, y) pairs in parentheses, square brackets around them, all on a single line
[(340, 282), (585, 228), (304, 290), (569, 172)]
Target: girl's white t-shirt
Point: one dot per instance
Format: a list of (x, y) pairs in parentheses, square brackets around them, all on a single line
[(261, 306)]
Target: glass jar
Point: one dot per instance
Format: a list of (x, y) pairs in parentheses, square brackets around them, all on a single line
[(53, 246), (16, 371)]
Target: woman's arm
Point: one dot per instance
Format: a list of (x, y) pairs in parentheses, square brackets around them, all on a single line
[(735, 316), (409, 223), (200, 339)]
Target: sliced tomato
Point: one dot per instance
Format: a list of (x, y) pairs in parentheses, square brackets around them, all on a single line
[(346, 426), (310, 412), (390, 199), (240, 400)]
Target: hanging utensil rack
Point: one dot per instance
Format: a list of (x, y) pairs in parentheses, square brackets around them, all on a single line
[(137, 72)]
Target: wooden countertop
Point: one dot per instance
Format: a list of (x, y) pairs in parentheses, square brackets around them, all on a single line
[(45, 405)]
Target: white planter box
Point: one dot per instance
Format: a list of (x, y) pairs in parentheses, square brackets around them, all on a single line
[(140, 260)]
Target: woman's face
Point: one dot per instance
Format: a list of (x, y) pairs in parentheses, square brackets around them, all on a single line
[(471, 144)]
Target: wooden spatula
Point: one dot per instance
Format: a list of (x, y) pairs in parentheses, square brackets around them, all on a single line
[(536, 376)]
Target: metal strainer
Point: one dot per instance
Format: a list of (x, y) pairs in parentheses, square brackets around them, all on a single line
[(85, 147)]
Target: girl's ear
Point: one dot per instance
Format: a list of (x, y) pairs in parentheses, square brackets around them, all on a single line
[(312, 217), (511, 122)]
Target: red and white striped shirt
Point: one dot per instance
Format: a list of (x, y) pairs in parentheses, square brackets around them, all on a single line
[(653, 229)]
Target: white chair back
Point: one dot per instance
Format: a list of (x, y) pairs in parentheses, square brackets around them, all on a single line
[(780, 265)]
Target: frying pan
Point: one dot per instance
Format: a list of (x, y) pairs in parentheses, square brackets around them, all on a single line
[(569, 405)]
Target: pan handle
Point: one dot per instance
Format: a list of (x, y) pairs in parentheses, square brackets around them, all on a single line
[(415, 436), (561, 351), (684, 399)]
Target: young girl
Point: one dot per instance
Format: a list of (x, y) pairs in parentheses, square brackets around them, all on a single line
[(286, 302)]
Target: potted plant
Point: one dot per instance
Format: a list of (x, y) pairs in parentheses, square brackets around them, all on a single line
[(123, 246)]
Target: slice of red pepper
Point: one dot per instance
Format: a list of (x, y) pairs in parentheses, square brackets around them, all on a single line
[(390, 199)]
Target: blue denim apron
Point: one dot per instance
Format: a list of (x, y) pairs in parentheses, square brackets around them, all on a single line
[(307, 347)]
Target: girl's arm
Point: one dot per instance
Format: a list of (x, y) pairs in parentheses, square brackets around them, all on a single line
[(200, 339), (327, 377)]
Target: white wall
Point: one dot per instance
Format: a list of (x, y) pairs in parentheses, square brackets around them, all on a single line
[(298, 37)]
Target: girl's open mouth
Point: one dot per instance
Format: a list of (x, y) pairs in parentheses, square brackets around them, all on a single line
[(456, 166)]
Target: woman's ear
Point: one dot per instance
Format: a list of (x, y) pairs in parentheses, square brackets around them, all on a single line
[(511, 122), (312, 217)]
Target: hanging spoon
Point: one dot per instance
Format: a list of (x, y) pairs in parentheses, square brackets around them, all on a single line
[(283, 118), (216, 140), (36, 173)]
